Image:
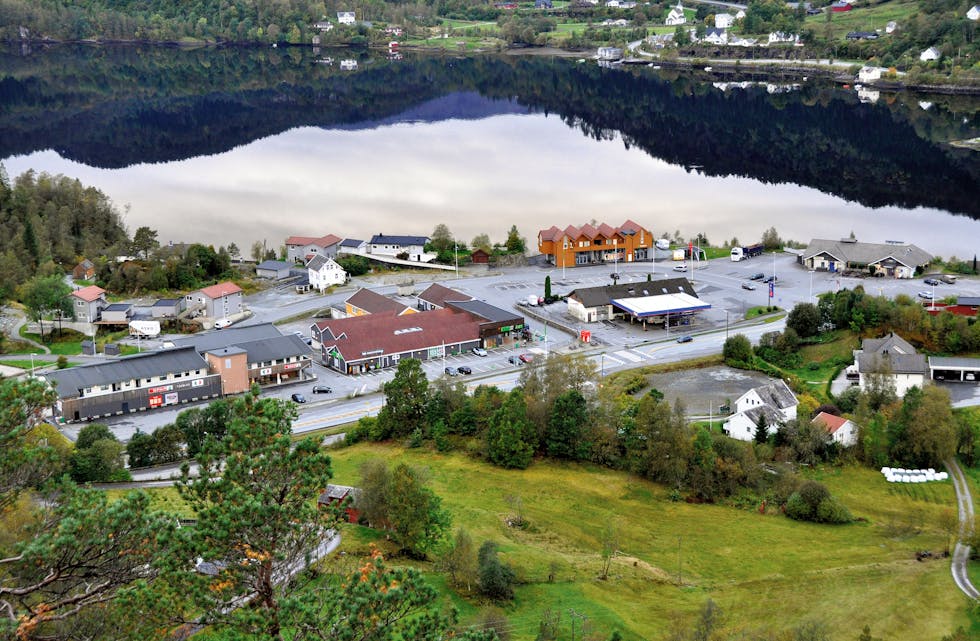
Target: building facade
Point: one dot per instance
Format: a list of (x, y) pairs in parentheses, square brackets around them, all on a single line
[(88, 303), (594, 245), (218, 301), (300, 249), (896, 260)]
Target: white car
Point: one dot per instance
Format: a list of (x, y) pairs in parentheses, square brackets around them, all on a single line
[(925, 295), (680, 268), (479, 351), (222, 323)]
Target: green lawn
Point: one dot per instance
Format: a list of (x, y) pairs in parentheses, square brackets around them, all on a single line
[(863, 18), (764, 571), (821, 361)]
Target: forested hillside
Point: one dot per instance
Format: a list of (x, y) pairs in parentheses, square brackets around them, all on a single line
[(912, 25), (49, 223)]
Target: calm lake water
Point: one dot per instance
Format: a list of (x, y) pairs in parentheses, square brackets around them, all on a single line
[(255, 155)]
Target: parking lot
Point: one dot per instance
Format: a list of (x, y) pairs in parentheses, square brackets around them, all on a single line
[(617, 344)]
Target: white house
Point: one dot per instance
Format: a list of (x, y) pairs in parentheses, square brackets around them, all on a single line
[(676, 16), (324, 273), (930, 54), (869, 74), (412, 246), (974, 12), (780, 36), (847, 254), (609, 53), (893, 358), (774, 401), (724, 20), (840, 429), (345, 17), (715, 36), (740, 14), (352, 246)]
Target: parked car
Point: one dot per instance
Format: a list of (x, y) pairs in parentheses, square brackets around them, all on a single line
[(925, 295), (464, 369), (451, 371), (748, 286), (514, 360), (298, 398), (526, 358), (948, 278), (680, 268), (758, 276), (322, 389), (932, 281), (770, 279), (222, 323), (479, 351), (685, 339)]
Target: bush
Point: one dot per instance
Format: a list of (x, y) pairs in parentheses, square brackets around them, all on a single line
[(496, 579), (832, 511), (798, 509), (737, 349)]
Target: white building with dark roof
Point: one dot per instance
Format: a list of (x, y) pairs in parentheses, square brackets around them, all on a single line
[(775, 401), (898, 260), (891, 357), (324, 273)]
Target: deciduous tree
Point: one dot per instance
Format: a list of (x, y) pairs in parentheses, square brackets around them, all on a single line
[(406, 398), (43, 296)]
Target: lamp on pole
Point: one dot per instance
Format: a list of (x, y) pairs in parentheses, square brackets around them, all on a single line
[(602, 365), (811, 286), (32, 364), (616, 254), (726, 324)]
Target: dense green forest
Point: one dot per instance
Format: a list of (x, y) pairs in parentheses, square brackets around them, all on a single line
[(50, 223), (113, 107)]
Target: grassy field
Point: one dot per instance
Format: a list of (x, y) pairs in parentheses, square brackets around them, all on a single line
[(825, 359), (765, 571), (69, 343), (863, 18)]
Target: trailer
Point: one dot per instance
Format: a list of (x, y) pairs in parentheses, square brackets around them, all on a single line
[(741, 253)]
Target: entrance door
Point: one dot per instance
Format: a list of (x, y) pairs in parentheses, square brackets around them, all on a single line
[(125, 407)]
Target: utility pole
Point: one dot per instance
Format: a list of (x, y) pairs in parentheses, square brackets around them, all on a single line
[(680, 577)]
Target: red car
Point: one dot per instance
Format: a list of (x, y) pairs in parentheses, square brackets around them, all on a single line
[(526, 358)]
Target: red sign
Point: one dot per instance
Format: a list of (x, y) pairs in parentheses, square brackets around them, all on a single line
[(585, 336), (156, 401), (162, 388), (290, 365)]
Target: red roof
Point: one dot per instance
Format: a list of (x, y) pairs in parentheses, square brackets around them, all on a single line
[(323, 241), (89, 294), (588, 231), (387, 333), (831, 422), (221, 289), (438, 295)]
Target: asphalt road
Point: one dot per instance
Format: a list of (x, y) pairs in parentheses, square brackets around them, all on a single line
[(619, 345)]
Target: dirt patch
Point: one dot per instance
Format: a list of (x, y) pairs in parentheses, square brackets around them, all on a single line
[(648, 571), (704, 390)]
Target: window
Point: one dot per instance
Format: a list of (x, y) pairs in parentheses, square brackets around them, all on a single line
[(227, 363)]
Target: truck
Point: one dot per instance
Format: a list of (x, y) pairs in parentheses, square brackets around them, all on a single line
[(663, 244), (741, 253)]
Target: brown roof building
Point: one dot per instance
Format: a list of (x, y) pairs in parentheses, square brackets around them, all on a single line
[(596, 244), (364, 302), (364, 343)]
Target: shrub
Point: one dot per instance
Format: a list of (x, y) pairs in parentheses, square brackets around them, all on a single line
[(798, 509), (737, 348), (832, 511)]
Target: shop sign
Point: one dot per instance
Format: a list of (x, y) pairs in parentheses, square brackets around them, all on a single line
[(265, 371)]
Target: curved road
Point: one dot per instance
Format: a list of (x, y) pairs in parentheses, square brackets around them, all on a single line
[(961, 553)]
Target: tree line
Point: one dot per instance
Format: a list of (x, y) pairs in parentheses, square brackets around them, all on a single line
[(74, 564), (557, 411)]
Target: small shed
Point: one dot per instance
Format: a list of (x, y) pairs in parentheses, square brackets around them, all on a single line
[(117, 313), (84, 270), (480, 257), (273, 269), (88, 348), (167, 308), (335, 494)]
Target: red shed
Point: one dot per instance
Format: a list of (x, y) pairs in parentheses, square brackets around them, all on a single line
[(338, 494), (480, 257)]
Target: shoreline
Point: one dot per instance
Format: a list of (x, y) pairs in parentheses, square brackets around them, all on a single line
[(838, 71)]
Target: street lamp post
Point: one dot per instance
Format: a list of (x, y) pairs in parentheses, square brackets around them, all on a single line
[(32, 364), (616, 254), (602, 365), (726, 324), (811, 286)]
